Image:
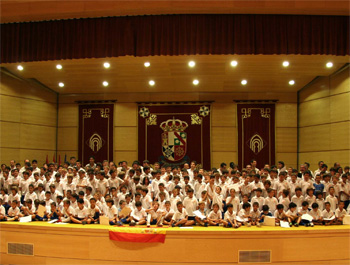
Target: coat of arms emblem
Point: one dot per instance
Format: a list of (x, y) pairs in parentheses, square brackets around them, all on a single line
[(174, 139)]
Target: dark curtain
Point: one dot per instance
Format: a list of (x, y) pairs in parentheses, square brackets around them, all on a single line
[(174, 35), (95, 132), (256, 134), (188, 140)]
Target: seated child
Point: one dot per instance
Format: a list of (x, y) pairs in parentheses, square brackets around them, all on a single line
[(138, 215), (215, 216), (230, 217), (265, 212), (255, 214), (112, 212), (327, 214), (2, 211), (280, 214), (154, 215), (204, 220), (54, 212), (180, 217), (14, 212), (81, 213), (168, 213), (67, 212), (340, 213), (125, 219), (292, 215), (316, 214), (244, 215), (304, 209), (93, 212)]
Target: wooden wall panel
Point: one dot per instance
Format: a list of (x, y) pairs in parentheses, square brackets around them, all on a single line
[(339, 107), (224, 114), (340, 83), (289, 159), (126, 138), (68, 115), (218, 157), (9, 134), (328, 136), (128, 156), (224, 139), (10, 108), (314, 112), (67, 139), (286, 140), (318, 89), (28, 120), (286, 115), (125, 114)]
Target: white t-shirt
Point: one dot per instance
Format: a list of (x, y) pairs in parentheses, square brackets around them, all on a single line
[(190, 205), (230, 216), (180, 215), (138, 215), (111, 212), (215, 215), (81, 213)]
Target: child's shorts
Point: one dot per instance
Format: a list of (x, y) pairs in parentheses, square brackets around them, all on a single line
[(154, 222), (191, 218)]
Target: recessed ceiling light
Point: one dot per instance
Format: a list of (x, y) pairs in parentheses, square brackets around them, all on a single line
[(61, 84), (106, 65), (285, 63), (195, 82), (291, 82), (59, 67), (191, 64), (244, 82), (151, 83), (147, 64), (329, 65), (105, 83), (20, 67), (234, 63)]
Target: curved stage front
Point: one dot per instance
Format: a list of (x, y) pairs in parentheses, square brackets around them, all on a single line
[(90, 244)]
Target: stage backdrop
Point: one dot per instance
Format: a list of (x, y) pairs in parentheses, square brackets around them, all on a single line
[(174, 134), (256, 134), (96, 132)]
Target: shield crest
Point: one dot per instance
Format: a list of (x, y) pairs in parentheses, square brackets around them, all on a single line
[(174, 139)]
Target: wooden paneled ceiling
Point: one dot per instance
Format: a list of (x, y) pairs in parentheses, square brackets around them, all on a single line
[(264, 73), (31, 10)]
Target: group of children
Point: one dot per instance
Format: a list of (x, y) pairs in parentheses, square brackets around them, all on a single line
[(144, 195)]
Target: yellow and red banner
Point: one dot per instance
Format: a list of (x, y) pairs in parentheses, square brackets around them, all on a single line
[(140, 235)]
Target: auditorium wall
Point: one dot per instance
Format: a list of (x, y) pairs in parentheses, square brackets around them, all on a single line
[(223, 120), (28, 120), (324, 120)]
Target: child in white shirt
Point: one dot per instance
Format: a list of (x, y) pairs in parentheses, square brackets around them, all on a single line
[(316, 214), (328, 214), (215, 216), (138, 215), (340, 213), (292, 215), (180, 218), (230, 217)]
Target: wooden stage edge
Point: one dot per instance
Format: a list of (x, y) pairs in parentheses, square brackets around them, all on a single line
[(90, 244)]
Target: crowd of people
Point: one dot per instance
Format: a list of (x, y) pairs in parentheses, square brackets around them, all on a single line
[(145, 194)]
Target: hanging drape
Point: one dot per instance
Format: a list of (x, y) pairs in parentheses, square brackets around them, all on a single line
[(174, 35)]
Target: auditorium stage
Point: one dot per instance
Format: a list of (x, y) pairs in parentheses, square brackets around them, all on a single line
[(90, 244)]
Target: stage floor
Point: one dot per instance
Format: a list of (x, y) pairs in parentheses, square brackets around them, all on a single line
[(90, 244)]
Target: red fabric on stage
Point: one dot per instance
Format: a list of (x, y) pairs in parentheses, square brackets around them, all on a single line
[(136, 237)]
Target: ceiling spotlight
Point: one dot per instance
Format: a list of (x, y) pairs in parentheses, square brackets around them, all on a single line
[(234, 63), (147, 64), (106, 65), (329, 65), (105, 83), (60, 84), (151, 83), (285, 63), (59, 67), (20, 67), (191, 64), (195, 82), (244, 82), (291, 82)]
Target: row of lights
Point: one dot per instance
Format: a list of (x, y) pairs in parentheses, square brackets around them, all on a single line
[(190, 64)]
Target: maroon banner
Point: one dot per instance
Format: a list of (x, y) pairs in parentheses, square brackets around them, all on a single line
[(256, 134), (174, 134), (96, 132)]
